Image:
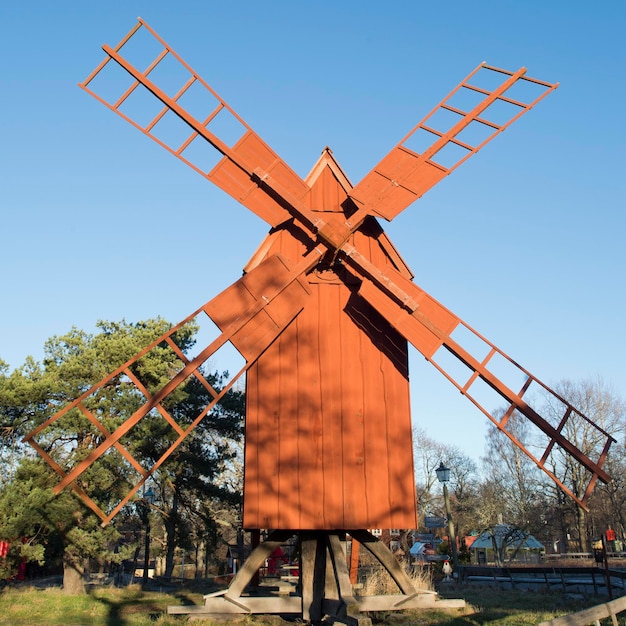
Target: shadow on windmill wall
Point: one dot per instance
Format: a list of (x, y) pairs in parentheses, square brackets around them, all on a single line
[(328, 430)]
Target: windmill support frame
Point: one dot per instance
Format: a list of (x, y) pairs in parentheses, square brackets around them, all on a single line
[(325, 590)]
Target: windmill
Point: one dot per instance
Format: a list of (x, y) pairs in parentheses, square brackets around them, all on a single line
[(322, 316)]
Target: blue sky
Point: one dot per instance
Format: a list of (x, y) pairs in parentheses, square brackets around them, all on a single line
[(524, 241)]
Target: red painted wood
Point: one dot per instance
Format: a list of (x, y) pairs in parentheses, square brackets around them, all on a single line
[(405, 173), (328, 425)]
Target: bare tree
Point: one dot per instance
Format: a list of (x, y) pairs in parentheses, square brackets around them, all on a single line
[(609, 501), (598, 401), (427, 454), (513, 477), (463, 485)]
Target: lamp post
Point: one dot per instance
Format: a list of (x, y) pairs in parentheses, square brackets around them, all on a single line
[(443, 476), (148, 501)]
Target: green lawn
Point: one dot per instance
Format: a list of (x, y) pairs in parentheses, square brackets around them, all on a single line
[(133, 607), (104, 607)]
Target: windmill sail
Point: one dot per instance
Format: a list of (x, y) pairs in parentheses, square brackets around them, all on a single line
[(251, 313), (170, 103), (457, 128), (484, 374)]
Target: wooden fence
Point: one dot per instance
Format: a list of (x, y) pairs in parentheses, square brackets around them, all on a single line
[(565, 578)]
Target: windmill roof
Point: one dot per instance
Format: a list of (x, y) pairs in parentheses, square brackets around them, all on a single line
[(327, 159), (327, 163)]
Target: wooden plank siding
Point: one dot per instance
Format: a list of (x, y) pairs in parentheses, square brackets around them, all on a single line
[(328, 424)]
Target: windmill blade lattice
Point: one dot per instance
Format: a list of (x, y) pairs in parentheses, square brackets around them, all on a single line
[(170, 103), (251, 313), (481, 107), (442, 338)]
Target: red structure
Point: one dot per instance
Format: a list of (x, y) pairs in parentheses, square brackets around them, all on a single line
[(322, 317), (328, 423)]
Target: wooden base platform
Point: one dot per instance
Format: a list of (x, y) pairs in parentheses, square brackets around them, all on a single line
[(325, 590)]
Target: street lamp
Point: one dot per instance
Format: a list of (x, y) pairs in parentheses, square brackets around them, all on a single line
[(443, 476), (148, 501)]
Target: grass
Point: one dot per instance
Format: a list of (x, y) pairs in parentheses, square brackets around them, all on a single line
[(133, 607), (486, 605), (103, 607)]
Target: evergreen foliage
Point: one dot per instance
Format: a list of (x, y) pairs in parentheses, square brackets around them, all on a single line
[(44, 528)]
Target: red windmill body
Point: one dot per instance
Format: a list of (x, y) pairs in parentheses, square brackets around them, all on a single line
[(328, 425), (322, 317)]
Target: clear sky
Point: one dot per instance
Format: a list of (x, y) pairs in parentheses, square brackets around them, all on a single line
[(525, 241)]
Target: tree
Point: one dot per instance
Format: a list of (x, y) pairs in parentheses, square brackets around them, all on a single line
[(23, 395), (464, 501), (72, 364), (527, 498), (465, 496), (608, 503), (427, 454), (598, 402), (42, 526), (515, 481), (191, 482)]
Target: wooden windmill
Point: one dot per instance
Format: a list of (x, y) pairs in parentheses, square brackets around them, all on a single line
[(322, 316)]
